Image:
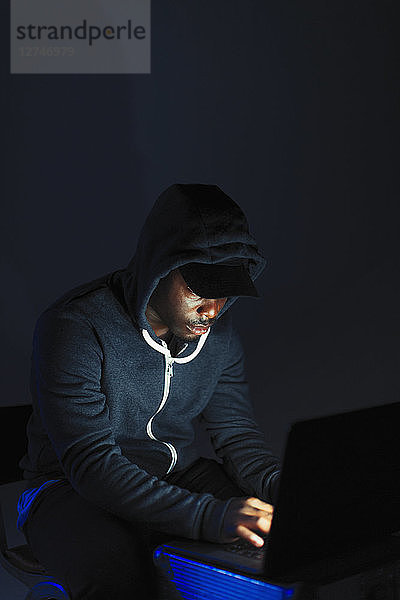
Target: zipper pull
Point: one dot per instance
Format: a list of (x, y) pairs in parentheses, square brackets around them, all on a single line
[(170, 369)]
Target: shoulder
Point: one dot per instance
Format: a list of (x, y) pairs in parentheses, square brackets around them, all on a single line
[(88, 302), (85, 313)]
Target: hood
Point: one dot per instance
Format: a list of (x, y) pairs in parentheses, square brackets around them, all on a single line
[(188, 223)]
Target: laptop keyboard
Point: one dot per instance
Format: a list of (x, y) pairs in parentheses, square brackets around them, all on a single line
[(245, 548)]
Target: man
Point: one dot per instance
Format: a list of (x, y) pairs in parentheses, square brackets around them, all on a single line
[(122, 369)]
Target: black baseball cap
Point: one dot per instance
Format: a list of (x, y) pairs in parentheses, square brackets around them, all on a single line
[(219, 280)]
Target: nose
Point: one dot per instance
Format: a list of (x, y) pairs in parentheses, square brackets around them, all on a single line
[(210, 308)]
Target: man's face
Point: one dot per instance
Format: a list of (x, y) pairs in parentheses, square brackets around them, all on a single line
[(174, 306)]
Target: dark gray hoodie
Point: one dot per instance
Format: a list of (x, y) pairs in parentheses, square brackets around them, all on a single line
[(114, 409)]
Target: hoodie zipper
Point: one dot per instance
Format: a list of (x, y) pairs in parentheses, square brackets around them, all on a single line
[(168, 374)]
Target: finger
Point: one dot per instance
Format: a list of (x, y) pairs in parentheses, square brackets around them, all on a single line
[(258, 524), (257, 503), (252, 511), (250, 536), (248, 511)]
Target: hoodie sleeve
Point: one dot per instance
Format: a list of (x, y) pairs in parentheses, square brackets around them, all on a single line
[(67, 371), (235, 436)]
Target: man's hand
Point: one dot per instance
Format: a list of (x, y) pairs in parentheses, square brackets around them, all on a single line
[(247, 517)]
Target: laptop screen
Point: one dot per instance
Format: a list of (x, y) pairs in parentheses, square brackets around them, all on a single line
[(340, 486)]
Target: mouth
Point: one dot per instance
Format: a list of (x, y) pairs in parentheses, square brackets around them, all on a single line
[(198, 329)]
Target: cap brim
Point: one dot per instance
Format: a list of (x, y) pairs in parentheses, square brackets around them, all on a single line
[(218, 280)]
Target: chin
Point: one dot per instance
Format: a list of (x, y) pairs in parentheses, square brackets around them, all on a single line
[(185, 335)]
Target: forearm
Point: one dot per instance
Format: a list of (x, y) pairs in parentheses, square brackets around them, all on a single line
[(235, 435), (119, 486), (246, 457)]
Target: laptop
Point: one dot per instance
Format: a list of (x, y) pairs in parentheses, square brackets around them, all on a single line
[(338, 508)]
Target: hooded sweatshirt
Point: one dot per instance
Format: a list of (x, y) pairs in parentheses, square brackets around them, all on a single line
[(114, 406)]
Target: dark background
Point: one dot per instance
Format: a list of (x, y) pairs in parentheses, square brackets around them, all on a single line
[(292, 109)]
